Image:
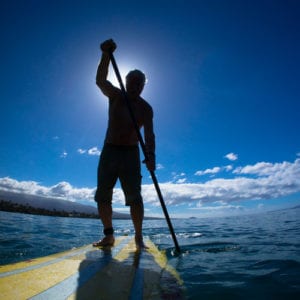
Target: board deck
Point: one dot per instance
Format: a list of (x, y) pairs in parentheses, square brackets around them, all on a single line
[(118, 272)]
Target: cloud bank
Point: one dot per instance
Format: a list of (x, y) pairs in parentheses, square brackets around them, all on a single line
[(261, 181), (62, 190)]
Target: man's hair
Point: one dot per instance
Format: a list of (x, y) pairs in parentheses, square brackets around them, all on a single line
[(139, 75)]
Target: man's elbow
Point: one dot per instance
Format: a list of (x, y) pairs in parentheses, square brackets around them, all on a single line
[(100, 82)]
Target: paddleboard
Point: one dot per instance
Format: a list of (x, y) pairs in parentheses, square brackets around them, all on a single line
[(119, 272)]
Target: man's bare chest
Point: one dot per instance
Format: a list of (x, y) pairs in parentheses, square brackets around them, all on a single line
[(119, 111)]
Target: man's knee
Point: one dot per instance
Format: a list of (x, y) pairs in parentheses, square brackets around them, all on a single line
[(134, 200), (103, 197)]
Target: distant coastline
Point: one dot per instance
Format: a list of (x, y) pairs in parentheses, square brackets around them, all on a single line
[(39, 205), (10, 206)]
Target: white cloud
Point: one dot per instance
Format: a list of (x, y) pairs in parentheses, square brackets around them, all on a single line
[(178, 177), (64, 154), (265, 169), (181, 180), (62, 190), (271, 180), (228, 168), (231, 156), (81, 151), (94, 151), (159, 166), (214, 170), (26, 187), (268, 181)]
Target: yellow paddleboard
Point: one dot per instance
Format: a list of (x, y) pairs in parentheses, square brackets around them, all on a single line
[(119, 272)]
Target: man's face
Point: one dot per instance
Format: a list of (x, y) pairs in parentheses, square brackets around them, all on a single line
[(134, 86)]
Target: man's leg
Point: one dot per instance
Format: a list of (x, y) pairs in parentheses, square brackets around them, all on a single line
[(131, 179), (105, 214), (106, 179), (137, 216)]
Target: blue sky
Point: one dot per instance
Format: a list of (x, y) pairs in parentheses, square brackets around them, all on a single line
[(223, 80)]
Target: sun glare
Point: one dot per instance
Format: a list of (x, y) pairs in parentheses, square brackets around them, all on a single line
[(123, 69)]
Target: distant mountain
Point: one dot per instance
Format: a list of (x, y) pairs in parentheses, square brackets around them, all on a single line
[(53, 204)]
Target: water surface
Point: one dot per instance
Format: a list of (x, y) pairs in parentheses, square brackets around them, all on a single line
[(246, 257)]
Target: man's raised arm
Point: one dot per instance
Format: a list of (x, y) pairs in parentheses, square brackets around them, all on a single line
[(102, 71)]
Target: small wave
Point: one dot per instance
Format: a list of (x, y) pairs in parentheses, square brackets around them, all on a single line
[(180, 235), (189, 235), (275, 264), (225, 248), (216, 247), (284, 273)]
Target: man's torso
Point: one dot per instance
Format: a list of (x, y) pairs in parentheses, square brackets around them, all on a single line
[(121, 130)]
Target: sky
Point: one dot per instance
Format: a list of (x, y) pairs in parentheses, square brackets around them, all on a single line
[(222, 78)]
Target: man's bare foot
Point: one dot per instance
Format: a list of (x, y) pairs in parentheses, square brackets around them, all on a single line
[(107, 241), (140, 245)]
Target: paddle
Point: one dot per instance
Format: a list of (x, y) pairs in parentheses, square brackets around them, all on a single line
[(154, 179)]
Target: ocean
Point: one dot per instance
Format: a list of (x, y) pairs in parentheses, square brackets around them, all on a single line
[(244, 257)]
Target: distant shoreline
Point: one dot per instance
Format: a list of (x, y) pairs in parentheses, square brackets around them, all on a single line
[(10, 206)]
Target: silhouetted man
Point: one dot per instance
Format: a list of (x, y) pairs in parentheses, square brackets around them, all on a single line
[(120, 158)]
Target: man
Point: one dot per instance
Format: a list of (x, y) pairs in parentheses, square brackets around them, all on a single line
[(120, 157)]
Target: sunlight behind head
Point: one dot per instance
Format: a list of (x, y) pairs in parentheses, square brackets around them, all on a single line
[(129, 65), (124, 69)]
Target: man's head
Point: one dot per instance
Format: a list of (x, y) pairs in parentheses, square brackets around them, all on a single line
[(135, 81)]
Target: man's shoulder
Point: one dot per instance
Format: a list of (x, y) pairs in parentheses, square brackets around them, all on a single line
[(109, 90), (145, 104)]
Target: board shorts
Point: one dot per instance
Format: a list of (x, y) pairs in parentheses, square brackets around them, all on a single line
[(123, 163)]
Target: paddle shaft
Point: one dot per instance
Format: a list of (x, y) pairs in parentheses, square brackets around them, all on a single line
[(154, 179)]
